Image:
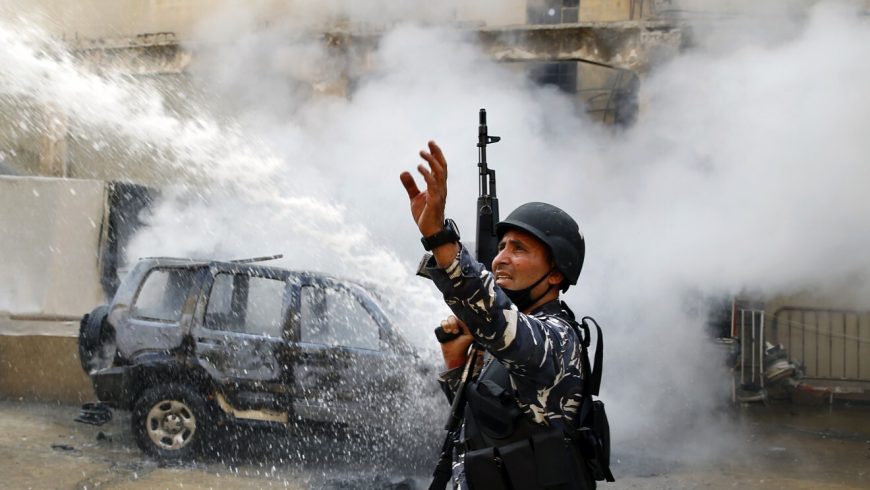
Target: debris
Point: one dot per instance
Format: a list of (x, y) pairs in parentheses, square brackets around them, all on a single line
[(751, 392), (94, 414), (63, 447), (779, 380)]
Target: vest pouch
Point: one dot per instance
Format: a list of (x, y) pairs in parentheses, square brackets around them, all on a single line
[(584, 468), (494, 411), (601, 428), (519, 461), (552, 460), (483, 470), (592, 439)]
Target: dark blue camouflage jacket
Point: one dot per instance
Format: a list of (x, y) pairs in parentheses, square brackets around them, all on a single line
[(541, 350)]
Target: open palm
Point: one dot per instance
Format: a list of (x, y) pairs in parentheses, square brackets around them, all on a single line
[(427, 207)]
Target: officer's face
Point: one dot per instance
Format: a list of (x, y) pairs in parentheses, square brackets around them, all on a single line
[(522, 259)]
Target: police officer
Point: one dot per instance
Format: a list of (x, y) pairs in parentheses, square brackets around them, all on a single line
[(529, 385)]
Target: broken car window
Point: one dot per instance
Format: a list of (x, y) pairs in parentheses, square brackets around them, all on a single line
[(162, 296), (335, 317), (265, 301), (246, 304)]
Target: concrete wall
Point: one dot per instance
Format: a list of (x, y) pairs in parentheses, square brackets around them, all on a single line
[(50, 271), (50, 244), (92, 19), (604, 10), (95, 19), (28, 146), (21, 126), (492, 12), (600, 10), (42, 368)]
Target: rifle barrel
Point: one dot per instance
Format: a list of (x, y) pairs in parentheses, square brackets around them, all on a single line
[(487, 202), (482, 141)]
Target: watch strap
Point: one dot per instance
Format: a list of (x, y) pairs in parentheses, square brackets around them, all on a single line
[(446, 235)]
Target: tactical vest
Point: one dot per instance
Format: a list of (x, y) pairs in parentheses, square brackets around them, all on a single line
[(505, 449)]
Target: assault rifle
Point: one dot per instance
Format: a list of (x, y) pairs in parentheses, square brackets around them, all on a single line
[(486, 247), (486, 241)]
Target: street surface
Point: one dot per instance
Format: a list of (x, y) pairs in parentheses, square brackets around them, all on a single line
[(41, 447)]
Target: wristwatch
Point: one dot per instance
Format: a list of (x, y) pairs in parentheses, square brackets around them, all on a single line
[(450, 233)]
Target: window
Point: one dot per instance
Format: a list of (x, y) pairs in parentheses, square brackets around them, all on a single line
[(552, 11), (335, 317), (246, 304), (560, 74), (265, 302), (162, 296)]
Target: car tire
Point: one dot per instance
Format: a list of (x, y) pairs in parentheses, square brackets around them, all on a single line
[(94, 333), (171, 422)]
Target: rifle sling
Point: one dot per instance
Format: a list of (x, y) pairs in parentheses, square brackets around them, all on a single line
[(443, 470)]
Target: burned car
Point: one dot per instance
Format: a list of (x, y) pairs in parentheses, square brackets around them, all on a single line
[(188, 346)]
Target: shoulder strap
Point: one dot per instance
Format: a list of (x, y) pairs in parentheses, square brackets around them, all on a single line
[(592, 385)]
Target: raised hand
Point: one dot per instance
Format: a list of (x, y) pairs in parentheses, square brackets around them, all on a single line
[(427, 207)]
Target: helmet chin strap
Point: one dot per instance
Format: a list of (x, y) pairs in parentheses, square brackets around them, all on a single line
[(523, 297)]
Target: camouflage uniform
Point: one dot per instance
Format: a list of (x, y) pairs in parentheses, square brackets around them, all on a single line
[(540, 350)]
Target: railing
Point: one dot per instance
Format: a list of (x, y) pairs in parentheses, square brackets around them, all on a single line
[(828, 343), (751, 332)]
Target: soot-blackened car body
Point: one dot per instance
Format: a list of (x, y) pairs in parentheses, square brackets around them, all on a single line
[(188, 345)]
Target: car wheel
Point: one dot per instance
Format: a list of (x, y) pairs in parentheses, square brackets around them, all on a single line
[(171, 422), (96, 340)]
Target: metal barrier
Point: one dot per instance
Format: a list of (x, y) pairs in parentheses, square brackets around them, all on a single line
[(828, 343), (751, 322)]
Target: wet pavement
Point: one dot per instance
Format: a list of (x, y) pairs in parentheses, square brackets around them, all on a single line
[(776, 447), (41, 447), (767, 447)]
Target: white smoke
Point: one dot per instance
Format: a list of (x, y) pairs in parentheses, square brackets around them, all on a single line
[(744, 172)]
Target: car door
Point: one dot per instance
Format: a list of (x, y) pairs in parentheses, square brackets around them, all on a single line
[(240, 338), (390, 371), (341, 374), (162, 305), (318, 367)]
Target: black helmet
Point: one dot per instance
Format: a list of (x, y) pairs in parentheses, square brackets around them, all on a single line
[(556, 229)]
